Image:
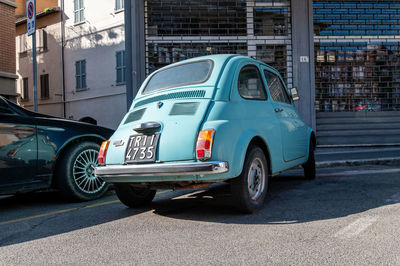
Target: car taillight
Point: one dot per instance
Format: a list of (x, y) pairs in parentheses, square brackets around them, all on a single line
[(204, 144), (103, 151)]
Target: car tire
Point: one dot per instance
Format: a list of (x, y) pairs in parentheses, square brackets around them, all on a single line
[(75, 172), (250, 188), (309, 166), (134, 197)]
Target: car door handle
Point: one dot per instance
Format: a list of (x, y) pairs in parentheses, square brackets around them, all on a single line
[(278, 110)]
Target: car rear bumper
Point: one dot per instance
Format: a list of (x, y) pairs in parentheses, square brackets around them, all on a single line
[(161, 169)]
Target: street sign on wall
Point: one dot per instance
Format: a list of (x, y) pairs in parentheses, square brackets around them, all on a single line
[(31, 16)]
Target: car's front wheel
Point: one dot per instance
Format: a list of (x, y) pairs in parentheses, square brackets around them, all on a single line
[(250, 188), (75, 172), (134, 197)]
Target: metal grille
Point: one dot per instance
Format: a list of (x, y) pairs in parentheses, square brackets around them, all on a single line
[(199, 17), (174, 95), (364, 17), (357, 58), (162, 54), (357, 77), (275, 56), (178, 30)]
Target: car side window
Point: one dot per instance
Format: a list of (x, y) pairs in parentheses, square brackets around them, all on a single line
[(5, 109), (250, 84), (276, 88)]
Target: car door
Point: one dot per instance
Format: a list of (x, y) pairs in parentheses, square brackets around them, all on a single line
[(293, 128), (18, 147)]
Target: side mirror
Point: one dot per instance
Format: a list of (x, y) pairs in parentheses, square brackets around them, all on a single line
[(294, 94)]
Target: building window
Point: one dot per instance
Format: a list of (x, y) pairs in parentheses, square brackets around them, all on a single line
[(41, 40), (119, 5), (79, 8), (80, 75), (120, 67), (44, 86), (275, 56), (25, 89), (23, 49)]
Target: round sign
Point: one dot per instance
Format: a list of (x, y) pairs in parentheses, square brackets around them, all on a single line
[(30, 10)]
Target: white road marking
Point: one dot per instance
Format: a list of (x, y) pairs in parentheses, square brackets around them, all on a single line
[(355, 151), (363, 172), (394, 198), (356, 227)]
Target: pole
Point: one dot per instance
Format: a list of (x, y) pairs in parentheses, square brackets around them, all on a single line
[(34, 72)]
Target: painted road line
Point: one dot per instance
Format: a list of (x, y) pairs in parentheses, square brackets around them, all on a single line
[(356, 227), (362, 172), (67, 210)]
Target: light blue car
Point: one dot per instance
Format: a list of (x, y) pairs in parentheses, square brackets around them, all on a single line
[(203, 120)]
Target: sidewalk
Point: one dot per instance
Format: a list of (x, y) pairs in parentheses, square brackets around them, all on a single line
[(342, 156)]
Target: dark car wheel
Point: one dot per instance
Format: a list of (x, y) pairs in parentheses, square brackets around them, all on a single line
[(250, 188), (309, 166), (134, 197), (75, 172)]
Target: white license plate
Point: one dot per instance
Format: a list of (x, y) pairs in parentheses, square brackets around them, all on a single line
[(142, 148)]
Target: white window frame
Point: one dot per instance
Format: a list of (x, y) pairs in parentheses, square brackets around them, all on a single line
[(119, 5), (79, 11)]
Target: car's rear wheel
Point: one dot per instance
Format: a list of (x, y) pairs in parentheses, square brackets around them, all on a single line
[(134, 197), (250, 188), (309, 166), (75, 172)]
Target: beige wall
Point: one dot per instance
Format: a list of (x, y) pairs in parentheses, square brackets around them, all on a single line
[(48, 62)]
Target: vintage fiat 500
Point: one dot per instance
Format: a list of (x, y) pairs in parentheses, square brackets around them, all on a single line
[(207, 119)]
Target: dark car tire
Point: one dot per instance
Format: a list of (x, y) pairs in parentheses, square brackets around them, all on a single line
[(75, 176), (134, 197), (249, 193), (309, 166)]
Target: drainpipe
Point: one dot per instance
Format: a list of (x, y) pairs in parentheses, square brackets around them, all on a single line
[(62, 29)]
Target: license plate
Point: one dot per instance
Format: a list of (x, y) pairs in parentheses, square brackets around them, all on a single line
[(141, 148)]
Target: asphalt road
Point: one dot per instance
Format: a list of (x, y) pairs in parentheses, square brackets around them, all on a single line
[(348, 216)]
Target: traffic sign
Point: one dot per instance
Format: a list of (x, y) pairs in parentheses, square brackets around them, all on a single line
[(31, 16)]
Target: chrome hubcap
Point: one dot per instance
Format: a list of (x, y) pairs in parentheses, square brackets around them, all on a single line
[(83, 172), (256, 179)]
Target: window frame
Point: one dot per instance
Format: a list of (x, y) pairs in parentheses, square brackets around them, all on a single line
[(44, 86), (121, 67), (80, 7), (121, 2), (81, 75), (261, 79), (283, 86), (25, 89)]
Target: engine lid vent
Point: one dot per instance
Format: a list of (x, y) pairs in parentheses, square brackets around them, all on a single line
[(174, 95)]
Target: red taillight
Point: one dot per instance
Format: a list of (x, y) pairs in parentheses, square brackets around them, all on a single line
[(204, 144), (103, 151)]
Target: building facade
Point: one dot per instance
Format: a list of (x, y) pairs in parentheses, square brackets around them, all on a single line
[(94, 61), (7, 49), (48, 58), (342, 55)]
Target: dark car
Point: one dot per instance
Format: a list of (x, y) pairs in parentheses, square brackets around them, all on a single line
[(39, 151)]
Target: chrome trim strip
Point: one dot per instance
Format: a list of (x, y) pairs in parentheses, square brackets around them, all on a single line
[(146, 126), (162, 169)]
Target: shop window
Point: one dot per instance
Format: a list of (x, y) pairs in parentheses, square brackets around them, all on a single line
[(357, 77), (273, 55)]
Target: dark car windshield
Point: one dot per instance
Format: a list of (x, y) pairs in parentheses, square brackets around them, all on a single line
[(186, 74)]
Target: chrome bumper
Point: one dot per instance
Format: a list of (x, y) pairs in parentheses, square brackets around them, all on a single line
[(162, 169)]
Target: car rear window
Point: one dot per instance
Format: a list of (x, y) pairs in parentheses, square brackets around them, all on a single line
[(186, 74)]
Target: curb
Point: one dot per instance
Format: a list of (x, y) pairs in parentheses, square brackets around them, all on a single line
[(356, 162)]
